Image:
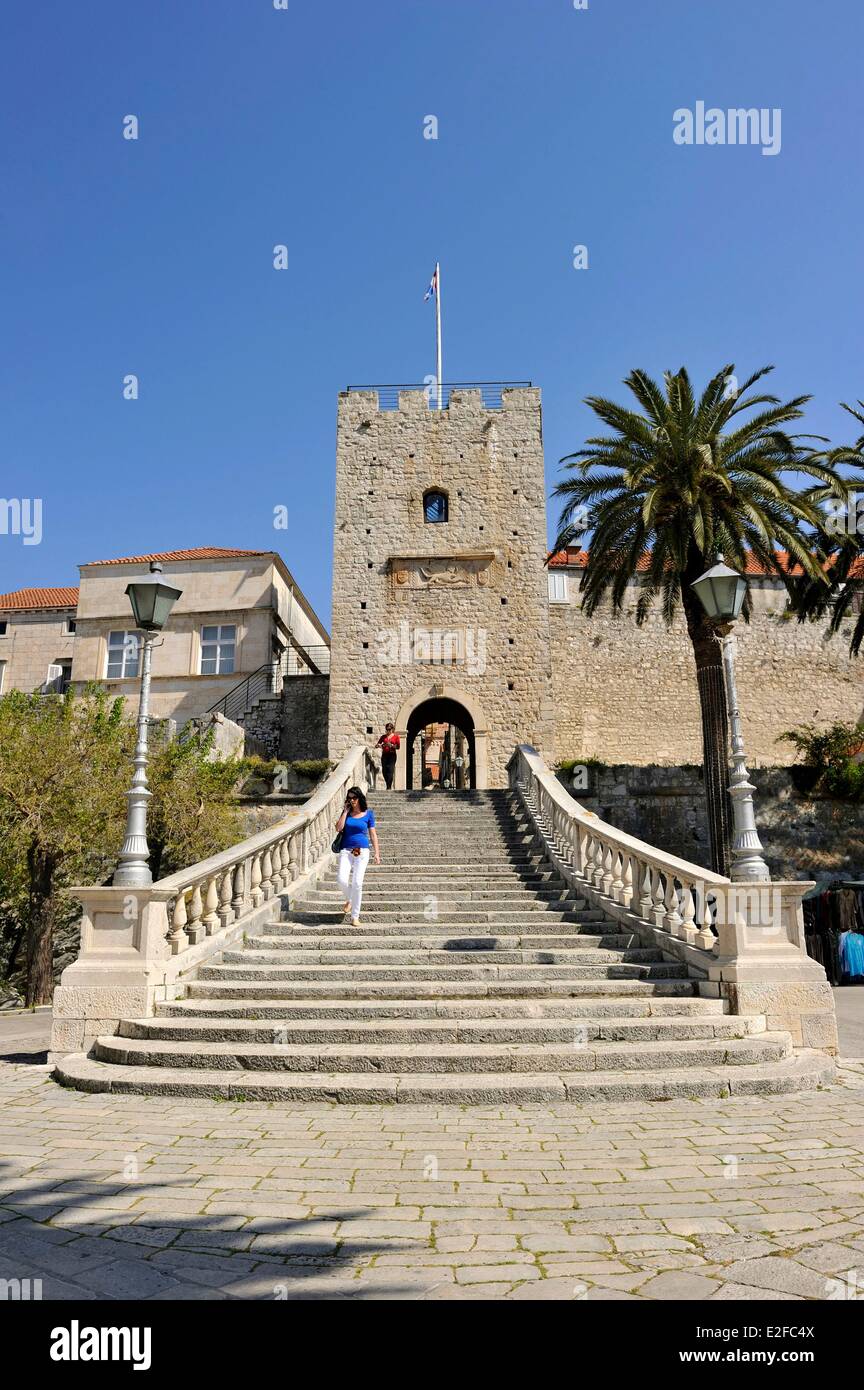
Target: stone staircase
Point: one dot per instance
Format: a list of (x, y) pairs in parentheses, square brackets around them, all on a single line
[(477, 976)]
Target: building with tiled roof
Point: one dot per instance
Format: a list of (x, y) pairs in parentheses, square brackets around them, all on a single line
[(240, 627), (200, 552), (37, 634), (240, 614), (26, 599)]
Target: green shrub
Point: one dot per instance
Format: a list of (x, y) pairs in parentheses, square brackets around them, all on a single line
[(313, 768), (828, 766), (565, 766)]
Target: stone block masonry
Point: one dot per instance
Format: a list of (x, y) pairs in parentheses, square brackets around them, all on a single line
[(456, 609), (292, 724), (628, 694)]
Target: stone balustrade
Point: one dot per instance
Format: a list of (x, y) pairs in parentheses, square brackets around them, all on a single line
[(136, 943), (743, 942)]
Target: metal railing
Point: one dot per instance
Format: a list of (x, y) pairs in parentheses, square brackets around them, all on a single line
[(490, 392), (269, 678)]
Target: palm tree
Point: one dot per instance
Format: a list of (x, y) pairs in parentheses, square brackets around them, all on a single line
[(668, 488), (842, 530)]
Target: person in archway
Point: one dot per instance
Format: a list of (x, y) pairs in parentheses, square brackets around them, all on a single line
[(389, 745), (357, 827)]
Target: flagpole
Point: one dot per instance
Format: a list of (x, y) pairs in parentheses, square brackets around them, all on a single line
[(438, 326)]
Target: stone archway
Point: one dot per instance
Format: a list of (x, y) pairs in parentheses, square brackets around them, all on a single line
[(445, 704)]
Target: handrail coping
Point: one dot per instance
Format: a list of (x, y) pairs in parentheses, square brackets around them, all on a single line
[(682, 868), (182, 878)]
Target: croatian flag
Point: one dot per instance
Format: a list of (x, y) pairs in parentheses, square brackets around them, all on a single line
[(433, 286)]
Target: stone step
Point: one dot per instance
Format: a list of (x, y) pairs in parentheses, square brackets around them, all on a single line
[(342, 938), (429, 1058), (409, 895), (390, 901), (443, 973), (639, 1005), (478, 976), (802, 1071), (249, 990), (346, 956), (575, 1031), (499, 917), (491, 874), (531, 933)]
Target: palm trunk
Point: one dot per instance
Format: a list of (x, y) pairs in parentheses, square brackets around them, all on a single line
[(40, 930), (708, 656)]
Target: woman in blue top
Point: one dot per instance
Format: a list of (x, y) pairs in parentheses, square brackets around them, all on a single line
[(357, 824)]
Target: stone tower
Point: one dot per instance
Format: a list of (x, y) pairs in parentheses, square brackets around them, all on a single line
[(440, 600)]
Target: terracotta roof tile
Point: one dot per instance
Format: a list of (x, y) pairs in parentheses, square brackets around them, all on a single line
[(574, 558), (201, 552), (40, 598)]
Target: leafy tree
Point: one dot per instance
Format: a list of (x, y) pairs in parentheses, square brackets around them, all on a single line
[(667, 488), (842, 531), (62, 772), (191, 815), (65, 766)]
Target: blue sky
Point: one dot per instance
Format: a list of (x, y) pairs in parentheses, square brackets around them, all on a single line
[(304, 127)]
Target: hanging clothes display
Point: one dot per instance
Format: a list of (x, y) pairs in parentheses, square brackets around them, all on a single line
[(852, 954), (834, 929)]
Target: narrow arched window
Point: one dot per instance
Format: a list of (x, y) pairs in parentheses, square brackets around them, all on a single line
[(435, 507)]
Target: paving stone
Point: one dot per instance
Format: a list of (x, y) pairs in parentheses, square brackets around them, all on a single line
[(679, 1286), (126, 1279), (82, 1142), (747, 1293), (487, 1274), (781, 1275)]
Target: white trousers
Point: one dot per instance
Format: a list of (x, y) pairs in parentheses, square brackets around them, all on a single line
[(351, 872)]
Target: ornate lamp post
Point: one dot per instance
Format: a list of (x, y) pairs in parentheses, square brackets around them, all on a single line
[(721, 592), (151, 602)]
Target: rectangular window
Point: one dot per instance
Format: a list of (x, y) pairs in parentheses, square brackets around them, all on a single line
[(69, 625), (122, 655), (2, 627), (217, 650), (557, 587)]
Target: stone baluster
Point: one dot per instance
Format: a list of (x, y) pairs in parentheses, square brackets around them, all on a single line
[(581, 849), (672, 917), (705, 937), (177, 937), (590, 858), (211, 904), (658, 910), (238, 902), (597, 873), (267, 875), (256, 894), (617, 876), (626, 898), (687, 931), (226, 888), (606, 880), (196, 929), (295, 856), (278, 879), (646, 891)]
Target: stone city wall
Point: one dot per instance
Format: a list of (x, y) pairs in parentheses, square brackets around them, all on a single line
[(628, 694)]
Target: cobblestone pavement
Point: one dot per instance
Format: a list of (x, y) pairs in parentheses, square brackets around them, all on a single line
[(144, 1197)]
